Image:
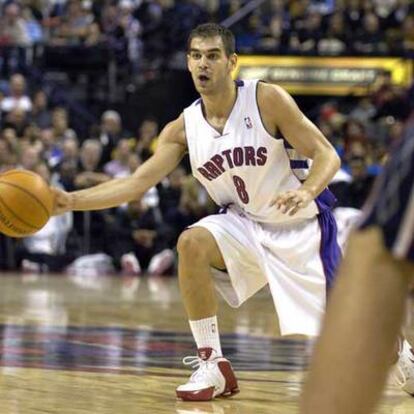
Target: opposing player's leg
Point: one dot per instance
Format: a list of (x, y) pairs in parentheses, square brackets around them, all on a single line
[(365, 312), (198, 254)]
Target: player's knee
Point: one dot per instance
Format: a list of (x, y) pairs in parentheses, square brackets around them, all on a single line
[(192, 244)]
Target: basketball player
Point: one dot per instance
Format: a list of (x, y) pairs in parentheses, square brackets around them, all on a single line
[(268, 167), (366, 308)]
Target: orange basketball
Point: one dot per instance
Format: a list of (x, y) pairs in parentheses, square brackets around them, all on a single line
[(26, 203)]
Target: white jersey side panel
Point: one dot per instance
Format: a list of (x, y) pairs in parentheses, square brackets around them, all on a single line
[(244, 166)]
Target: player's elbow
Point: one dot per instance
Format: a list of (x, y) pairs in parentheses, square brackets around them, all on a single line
[(329, 153), (329, 157), (336, 160)]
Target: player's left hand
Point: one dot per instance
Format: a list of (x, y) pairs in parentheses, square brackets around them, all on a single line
[(289, 202)]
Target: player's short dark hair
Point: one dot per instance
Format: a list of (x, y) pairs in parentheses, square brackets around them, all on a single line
[(211, 30)]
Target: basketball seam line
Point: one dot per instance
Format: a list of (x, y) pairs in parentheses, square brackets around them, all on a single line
[(16, 216), (28, 193)]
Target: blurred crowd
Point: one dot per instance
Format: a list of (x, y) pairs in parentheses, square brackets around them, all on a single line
[(141, 235), (39, 138), (363, 130), (330, 28), (147, 33), (40, 135)]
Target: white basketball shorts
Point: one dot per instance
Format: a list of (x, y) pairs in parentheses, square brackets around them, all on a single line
[(298, 261)]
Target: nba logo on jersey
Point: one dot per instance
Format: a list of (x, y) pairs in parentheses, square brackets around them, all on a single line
[(248, 122)]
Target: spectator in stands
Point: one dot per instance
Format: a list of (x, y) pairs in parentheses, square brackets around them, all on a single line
[(51, 151), (17, 120), (353, 14), (298, 10), (119, 165), (336, 39), (76, 24), (40, 113), (182, 17), (174, 213), (195, 201), (361, 183), (122, 31), (133, 162), (310, 33), (9, 135), (170, 192), (151, 15), (398, 13), (16, 97), (408, 35), (109, 18), (14, 38), (146, 140), (31, 136), (60, 124), (276, 38), (364, 110), (370, 39), (249, 39), (381, 89), (65, 174), (29, 158), (7, 156), (38, 8), (89, 170), (70, 150), (91, 226), (66, 169), (46, 250), (143, 240), (394, 102), (394, 133), (324, 6), (130, 29), (110, 133), (34, 28), (354, 132), (95, 36)]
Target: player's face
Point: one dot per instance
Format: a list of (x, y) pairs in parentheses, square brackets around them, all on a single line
[(209, 65)]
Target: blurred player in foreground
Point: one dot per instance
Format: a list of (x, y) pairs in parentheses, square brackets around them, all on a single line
[(366, 309)]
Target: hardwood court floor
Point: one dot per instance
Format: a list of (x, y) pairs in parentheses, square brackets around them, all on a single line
[(110, 345)]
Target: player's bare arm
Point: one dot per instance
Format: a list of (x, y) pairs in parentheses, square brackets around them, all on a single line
[(281, 114), (170, 150), (364, 316)]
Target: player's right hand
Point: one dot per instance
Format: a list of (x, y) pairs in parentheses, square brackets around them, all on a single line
[(63, 201), (291, 201)]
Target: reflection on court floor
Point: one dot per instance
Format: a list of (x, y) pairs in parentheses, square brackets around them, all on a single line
[(87, 344), (117, 350)]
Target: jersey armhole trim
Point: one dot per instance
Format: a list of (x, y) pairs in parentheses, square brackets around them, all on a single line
[(185, 131), (187, 152), (260, 114)]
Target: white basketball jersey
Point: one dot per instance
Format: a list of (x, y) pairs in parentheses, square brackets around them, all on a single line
[(245, 166)]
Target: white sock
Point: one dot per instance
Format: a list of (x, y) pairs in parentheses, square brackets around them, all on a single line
[(206, 334)]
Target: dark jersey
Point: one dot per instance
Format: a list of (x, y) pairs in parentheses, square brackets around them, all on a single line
[(391, 204)]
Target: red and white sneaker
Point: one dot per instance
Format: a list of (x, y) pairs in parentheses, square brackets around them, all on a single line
[(214, 377), (404, 369)]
